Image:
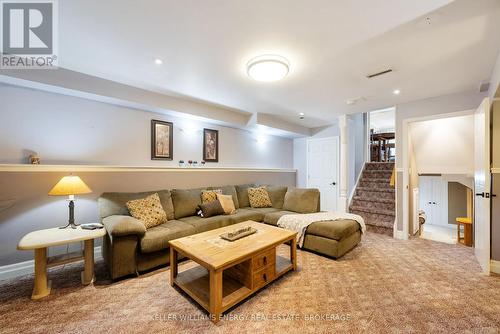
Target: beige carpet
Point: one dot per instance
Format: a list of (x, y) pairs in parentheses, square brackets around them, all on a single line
[(383, 286)]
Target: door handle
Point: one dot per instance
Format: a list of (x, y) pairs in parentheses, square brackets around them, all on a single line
[(333, 183), (480, 194)]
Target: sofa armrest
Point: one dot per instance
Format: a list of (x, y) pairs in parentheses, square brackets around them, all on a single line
[(119, 226)]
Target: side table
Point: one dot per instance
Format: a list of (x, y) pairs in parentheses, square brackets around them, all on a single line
[(40, 240)]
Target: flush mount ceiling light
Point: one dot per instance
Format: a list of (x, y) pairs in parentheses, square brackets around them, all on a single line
[(396, 91), (268, 68), (158, 61)]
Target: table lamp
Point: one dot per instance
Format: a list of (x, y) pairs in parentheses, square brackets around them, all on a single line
[(70, 186)]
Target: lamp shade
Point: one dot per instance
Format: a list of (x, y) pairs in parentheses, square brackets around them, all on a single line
[(70, 185)]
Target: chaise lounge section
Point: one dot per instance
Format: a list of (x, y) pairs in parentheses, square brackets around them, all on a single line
[(129, 248)]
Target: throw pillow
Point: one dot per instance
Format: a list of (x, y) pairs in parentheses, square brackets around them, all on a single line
[(209, 195), (227, 203), (210, 209), (259, 198), (148, 210)]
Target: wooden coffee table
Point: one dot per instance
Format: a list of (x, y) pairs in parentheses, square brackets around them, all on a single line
[(228, 272)]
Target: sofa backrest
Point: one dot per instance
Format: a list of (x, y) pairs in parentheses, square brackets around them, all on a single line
[(302, 200), (186, 201), (114, 203), (277, 195), (242, 191)]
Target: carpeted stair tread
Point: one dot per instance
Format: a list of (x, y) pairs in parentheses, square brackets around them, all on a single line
[(382, 190), (373, 210), (376, 200), (378, 180)]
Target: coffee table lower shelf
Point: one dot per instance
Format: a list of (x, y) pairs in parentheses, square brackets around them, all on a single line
[(196, 283)]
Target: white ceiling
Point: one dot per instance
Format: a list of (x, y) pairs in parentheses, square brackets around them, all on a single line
[(444, 145), (331, 45)]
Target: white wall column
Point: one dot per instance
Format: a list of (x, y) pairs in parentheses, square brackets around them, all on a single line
[(344, 164)]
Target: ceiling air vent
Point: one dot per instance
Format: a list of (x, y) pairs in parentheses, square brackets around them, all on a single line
[(484, 87), (369, 76)]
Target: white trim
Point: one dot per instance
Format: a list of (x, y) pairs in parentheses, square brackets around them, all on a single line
[(351, 195), (90, 168), (27, 267), (397, 234), (495, 266)]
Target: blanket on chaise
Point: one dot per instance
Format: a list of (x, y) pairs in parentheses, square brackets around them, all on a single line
[(300, 222)]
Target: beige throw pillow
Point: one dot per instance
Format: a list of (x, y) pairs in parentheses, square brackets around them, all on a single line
[(148, 210), (209, 195), (259, 198), (227, 203)]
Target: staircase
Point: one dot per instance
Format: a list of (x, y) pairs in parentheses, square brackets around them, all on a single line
[(374, 197)]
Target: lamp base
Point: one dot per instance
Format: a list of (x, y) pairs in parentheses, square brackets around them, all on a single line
[(70, 224), (71, 220)]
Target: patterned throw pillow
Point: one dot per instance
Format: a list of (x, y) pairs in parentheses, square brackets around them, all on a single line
[(148, 210), (209, 195), (227, 203), (259, 198)]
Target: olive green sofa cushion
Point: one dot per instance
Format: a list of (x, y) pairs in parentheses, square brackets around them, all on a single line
[(113, 203), (277, 195), (245, 214), (186, 202), (301, 200), (157, 238), (336, 230), (206, 224), (272, 218)]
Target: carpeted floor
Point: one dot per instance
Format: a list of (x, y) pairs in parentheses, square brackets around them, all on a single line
[(383, 286)]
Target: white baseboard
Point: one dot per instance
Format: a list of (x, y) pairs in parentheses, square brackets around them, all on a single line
[(27, 267), (495, 266)]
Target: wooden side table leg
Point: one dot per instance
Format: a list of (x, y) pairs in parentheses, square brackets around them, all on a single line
[(41, 286), (88, 255), (215, 295), (468, 235), (293, 252), (174, 270)]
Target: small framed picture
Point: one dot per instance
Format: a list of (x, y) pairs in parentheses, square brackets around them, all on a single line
[(210, 145), (161, 140)]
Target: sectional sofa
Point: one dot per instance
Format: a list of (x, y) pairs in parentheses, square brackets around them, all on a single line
[(128, 248)]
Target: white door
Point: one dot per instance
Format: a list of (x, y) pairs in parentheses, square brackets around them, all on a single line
[(482, 185), (323, 170), (434, 199)]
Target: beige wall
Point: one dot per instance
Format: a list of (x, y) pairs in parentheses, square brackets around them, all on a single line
[(25, 205), (70, 130)]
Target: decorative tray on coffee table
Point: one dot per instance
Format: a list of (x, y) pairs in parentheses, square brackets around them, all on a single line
[(238, 234)]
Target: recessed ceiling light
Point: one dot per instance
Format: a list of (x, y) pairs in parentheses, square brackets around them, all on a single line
[(268, 68), (396, 91), (158, 61)]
